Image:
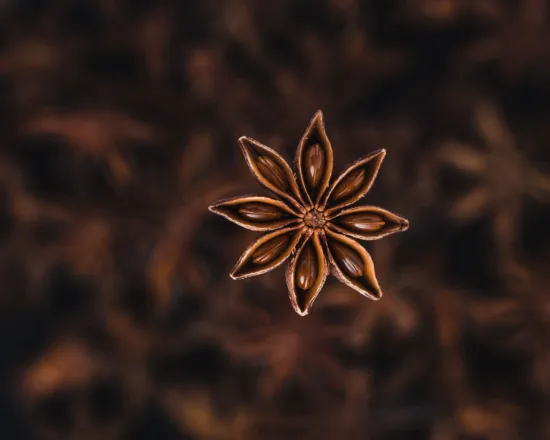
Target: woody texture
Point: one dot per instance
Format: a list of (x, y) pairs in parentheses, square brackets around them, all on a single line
[(312, 224)]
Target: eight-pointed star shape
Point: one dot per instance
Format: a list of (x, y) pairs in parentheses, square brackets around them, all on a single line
[(312, 222)]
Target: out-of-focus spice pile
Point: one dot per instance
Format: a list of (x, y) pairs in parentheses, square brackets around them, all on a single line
[(118, 126)]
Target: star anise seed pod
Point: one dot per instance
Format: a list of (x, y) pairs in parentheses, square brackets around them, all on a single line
[(313, 221)]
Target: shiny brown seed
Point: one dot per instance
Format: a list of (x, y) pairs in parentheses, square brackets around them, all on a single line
[(349, 184), (272, 172), (347, 259), (306, 268), (268, 251), (260, 212), (362, 221), (314, 162)]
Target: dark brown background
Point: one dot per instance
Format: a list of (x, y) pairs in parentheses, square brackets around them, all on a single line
[(119, 123)]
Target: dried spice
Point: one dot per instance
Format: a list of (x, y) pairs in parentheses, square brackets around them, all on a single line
[(493, 194), (316, 226), (116, 317)]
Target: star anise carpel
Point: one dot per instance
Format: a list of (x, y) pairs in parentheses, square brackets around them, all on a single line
[(312, 222)]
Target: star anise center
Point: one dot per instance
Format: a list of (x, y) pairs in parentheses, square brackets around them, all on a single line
[(314, 219)]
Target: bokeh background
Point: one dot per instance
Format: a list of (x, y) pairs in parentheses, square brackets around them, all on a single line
[(119, 123)]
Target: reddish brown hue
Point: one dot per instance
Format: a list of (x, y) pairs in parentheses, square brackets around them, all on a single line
[(321, 225), (118, 319)]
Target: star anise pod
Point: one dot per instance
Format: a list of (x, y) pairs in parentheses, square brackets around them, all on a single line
[(312, 222)]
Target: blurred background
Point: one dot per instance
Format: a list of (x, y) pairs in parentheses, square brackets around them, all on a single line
[(119, 123)]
